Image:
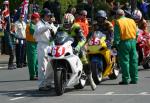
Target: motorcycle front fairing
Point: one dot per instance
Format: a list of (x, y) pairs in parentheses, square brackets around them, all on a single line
[(98, 46), (64, 52)]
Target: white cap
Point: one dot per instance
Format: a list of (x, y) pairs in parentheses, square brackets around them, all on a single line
[(6, 2)]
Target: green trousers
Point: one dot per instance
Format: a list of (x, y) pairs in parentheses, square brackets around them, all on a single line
[(128, 60), (32, 59)]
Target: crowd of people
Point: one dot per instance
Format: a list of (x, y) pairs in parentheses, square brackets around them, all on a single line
[(33, 38)]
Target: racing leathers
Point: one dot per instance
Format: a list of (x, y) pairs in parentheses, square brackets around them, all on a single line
[(79, 40), (106, 28)]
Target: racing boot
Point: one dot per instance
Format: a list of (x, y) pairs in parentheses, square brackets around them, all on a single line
[(92, 83), (88, 72)]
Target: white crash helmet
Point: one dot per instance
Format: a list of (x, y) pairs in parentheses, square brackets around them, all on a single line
[(137, 15), (68, 18)]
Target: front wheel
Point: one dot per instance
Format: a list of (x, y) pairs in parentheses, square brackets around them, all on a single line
[(59, 80), (96, 73)]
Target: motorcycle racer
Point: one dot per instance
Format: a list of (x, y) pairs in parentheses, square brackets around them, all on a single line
[(74, 30), (104, 26)]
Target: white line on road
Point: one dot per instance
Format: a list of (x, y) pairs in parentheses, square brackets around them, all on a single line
[(143, 93), (16, 98), (19, 94), (3, 67), (108, 94)]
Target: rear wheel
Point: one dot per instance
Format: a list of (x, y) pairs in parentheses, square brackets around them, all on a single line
[(59, 79), (96, 73), (115, 71), (147, 64)]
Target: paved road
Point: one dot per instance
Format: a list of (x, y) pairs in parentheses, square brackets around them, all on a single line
[(16, 88), (3, 61)]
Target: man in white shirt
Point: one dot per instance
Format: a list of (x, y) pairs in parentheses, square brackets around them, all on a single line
[(20, 30), (43, 35)]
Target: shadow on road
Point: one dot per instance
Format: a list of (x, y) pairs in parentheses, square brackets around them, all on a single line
[(36, 93), (13, 81), (28, 93), (144, 69)]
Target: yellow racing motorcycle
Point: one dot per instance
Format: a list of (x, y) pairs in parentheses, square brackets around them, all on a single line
[(102, 60)]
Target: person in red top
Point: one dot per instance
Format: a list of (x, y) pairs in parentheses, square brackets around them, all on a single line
[(143, 36)]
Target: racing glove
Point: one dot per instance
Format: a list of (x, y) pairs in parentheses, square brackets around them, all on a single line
[(77, 49)]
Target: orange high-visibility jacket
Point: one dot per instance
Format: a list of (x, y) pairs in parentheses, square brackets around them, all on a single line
[(29, 36), (84, 26)]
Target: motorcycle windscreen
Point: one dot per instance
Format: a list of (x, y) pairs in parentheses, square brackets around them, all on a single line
[(62, 38)]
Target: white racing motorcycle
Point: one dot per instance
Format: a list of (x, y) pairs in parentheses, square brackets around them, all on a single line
[(68, 68)]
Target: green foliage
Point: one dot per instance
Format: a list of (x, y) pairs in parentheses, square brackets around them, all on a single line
[(122, 1), (101, 5), (66, 3), (14, 4)]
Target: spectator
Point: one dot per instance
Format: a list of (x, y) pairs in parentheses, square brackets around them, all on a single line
[(73, 11), (32, 48), (47, 4), (51, 22), (20, 28), (7, 37), (125, 41), (110, 2), (127, 9), (82, 20), (36, 7), (143, 7), (43, 34), (82, 5), (1, 29), (56, 9), (15, 15), (69, 9), (89, 8)]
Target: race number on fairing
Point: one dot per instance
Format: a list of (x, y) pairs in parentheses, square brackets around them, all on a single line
[(94, 41), (58, 51)]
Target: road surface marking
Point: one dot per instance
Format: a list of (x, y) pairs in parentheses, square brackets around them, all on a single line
[(3, 67), (109, 93), (16, 98), (143, 93), (19, 94), (113, 94)]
